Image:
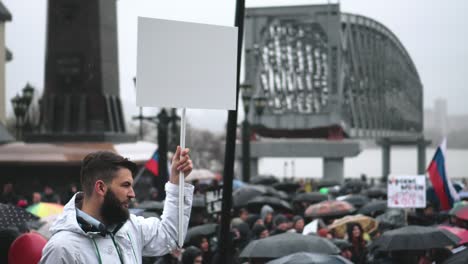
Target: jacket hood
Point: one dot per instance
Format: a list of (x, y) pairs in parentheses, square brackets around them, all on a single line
[(67, 220)]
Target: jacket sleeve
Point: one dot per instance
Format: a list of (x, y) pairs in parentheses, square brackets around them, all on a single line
[(159, 237), (57, 253)]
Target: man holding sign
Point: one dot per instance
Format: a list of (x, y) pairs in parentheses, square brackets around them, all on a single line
[(96, 226)]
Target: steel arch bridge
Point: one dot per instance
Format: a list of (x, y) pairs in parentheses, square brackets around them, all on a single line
[(317, 72)]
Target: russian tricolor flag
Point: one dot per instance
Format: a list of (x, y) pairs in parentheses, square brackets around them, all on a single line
[(438, 175), (153, 164)]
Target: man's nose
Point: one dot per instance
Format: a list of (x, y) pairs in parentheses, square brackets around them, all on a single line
[(131, 194)]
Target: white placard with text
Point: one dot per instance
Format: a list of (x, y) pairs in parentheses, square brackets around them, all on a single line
[(406, 191)]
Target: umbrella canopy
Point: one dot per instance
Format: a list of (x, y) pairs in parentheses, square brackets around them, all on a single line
[(459, 232), (458, 258), (264, 179), (11, 215), (374, 208), (357, 200), (312, 197), (392, 218), (195, 232), (310, 258), (45, 209), (415, 238), (339, 226), (241, 196), (287, 243), (329, 209), (255, 205), (327, 183), (289, 187), (246, 193), (460, 211), (376, 192), (353, 186)]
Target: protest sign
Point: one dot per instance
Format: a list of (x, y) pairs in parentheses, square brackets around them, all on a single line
[(213, 201), (406, 191), (186, 65)]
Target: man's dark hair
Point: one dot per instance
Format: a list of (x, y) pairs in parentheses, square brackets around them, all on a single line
[(102, 165)]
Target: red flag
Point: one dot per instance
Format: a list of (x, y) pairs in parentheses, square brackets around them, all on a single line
[(153, 164)]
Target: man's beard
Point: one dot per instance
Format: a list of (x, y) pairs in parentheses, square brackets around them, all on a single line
[(112, 210)]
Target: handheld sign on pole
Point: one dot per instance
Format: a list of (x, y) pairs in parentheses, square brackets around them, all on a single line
[(406, 191), (185, 65)]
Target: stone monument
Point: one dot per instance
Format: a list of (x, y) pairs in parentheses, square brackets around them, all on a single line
[(81, 99)]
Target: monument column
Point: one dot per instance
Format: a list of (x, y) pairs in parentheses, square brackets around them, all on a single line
[(81, 100)]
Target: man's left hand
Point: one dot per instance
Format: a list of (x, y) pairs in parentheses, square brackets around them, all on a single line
[(180, 162)]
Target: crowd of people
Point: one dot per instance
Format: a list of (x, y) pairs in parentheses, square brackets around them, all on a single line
[(253, 221)]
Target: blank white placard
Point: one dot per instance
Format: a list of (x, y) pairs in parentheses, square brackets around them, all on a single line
[(186, 65)]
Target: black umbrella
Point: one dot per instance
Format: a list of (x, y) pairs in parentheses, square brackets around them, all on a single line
[(12, 216), (415, 238), (256, 204), (310, 258), (376, 192), (356, 200), (241, 196), (327, 183), (312, 197), (353, 186), (374, 208), (246, 193), (264, 179), (289, 187), (392, 218), (458, 258), (286, 244), (205, 230)]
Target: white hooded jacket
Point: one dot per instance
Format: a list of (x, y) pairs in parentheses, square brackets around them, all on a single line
[(136, 238)]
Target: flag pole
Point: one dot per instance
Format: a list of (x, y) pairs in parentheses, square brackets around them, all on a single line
[(181, 183)]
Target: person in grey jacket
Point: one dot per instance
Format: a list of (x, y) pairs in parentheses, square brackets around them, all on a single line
[(96, 226)]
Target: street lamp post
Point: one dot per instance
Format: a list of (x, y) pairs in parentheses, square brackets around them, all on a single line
[(21, 105), (246, 90)]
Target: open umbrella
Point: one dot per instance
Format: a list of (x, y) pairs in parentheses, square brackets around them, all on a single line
[(392, 218), (11, 215), (376, 193), (286, 244), (310, 258), (289, 187), (459, 232), (329, 209), (312, 197), (339, 226), (241, 196), (458, 258), (264, 179), (460, 211), (256, 204), (205, 230), (45, 209), (414, 238), (357, 200), (46, 224), (374, 208)]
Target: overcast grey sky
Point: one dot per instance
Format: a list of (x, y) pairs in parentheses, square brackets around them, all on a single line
[(433, 32)]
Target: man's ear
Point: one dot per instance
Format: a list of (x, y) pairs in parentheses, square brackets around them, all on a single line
[(100, 188)]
